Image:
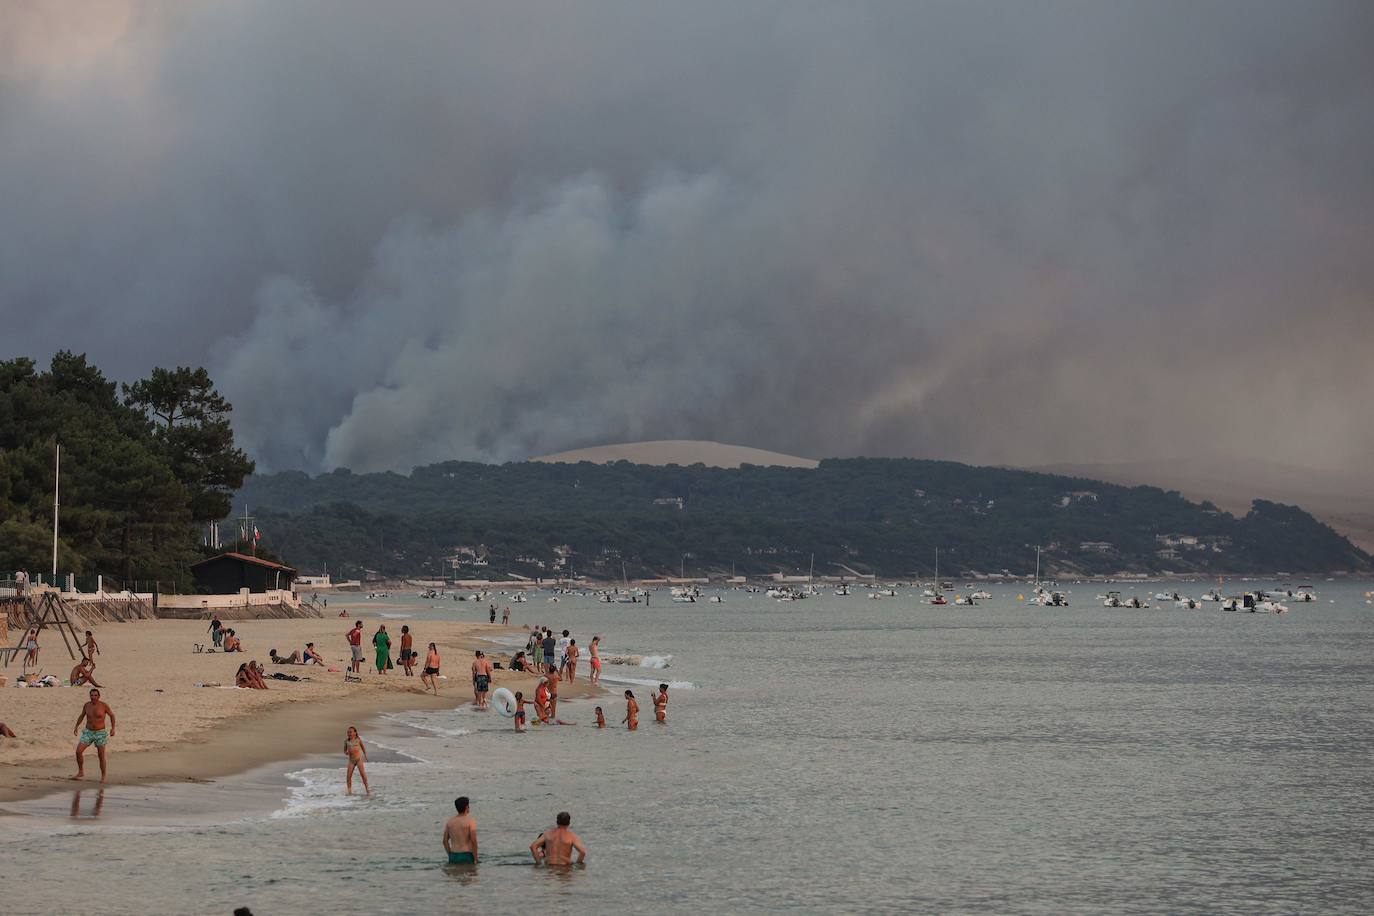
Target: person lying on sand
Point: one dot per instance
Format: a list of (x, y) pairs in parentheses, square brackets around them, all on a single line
[(293, 659), (82, 674), (6, 731)]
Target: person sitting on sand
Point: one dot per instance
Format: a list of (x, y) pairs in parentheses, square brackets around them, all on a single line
[(293, 659), (81, 674), (6, 731), (231, 642), (555, 847), (600, 718), (357, 759), (249, 677), (310, 656), (518, 663)]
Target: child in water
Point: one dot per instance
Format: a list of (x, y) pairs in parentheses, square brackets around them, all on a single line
[(631, 719), (600, 718), (519, 711), (357, 759)]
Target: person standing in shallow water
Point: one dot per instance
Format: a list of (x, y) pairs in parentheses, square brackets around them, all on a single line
[(357, 759), (661, 705), (460, 835), (631, 720), (431, 673), (93, 714), (555, 847)]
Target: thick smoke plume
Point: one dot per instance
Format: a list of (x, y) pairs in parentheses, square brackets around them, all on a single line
[(1016, 232)]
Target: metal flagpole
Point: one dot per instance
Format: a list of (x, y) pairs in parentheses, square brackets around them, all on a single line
[(56, 477)]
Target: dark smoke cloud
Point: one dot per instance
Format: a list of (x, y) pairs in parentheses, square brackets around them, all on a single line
[(1002, 232)]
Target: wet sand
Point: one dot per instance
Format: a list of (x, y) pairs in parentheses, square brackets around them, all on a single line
[(170, 729)]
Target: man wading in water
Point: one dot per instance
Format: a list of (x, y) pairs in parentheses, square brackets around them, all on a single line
[(555, 847), (460, 835)]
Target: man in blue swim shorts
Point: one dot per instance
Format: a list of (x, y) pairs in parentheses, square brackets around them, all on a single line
[(95, 733)]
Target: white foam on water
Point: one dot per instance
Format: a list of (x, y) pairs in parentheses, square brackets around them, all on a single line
[(647, 682), (656, 661), (424, 722), (321, 790), (396, 616)]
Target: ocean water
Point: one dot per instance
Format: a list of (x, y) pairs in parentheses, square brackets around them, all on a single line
[(829, 755)]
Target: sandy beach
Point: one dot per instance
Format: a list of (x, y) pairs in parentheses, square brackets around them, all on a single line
[(168, 728)]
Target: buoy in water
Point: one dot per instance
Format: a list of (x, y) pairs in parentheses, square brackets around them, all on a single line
[(503, 701)]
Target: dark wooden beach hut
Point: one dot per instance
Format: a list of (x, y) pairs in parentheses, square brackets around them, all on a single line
[(228, 573)]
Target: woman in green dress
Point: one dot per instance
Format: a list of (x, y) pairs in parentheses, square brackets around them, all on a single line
[(383, 643)]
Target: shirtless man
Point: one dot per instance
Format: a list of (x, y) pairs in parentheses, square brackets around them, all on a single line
[(431, 673), (408, 651), (460, 835), (595, 651), (93, 714), (555, 847), (82, 673), (481, 678)]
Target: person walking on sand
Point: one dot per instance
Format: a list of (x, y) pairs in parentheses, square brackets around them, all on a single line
[(430, 675), (481, 678), (631, 711), (91, 649), (460, 835), (594, 650), (355, 644), (96, 732), (216, 631), (555, 847), (661, 705), (573, 653), (357, 760), (407, 651), (505, 617), (519, 712)]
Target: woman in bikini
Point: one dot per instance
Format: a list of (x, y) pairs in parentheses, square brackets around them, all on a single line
[(631, 711), (595, 651), (31, 647), (573, 652), (430, 675), (661, 705), (357, 760)]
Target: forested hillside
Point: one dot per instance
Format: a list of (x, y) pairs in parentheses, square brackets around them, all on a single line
[(870, 515)]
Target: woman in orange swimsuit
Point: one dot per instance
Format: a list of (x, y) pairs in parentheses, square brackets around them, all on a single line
[(661, 705), (631, 711), (595, 651)]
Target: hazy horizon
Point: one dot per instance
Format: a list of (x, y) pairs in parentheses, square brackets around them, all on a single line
[(1028, 235)]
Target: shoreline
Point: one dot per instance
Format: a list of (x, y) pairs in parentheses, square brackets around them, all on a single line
[(231, 731)]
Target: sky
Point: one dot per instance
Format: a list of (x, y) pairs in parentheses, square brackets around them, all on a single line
[(998, 232)]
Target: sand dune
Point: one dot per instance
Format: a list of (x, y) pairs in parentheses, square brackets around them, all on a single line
[(682, 452)]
